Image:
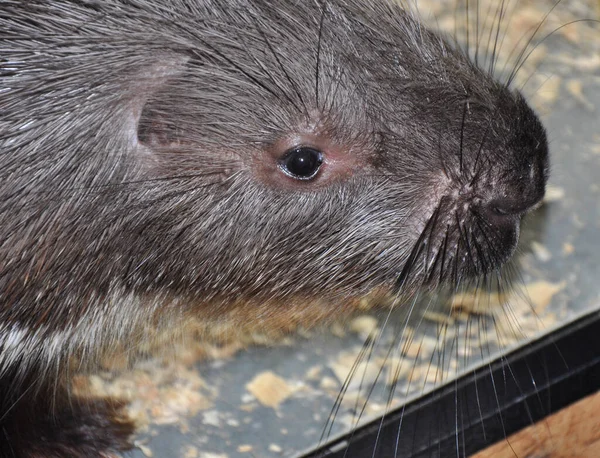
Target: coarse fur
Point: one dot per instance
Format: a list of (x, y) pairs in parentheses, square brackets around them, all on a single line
[(140, 180)]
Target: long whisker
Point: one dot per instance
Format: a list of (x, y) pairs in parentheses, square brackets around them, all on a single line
[(524, 55), (327, 429), (417, 249)]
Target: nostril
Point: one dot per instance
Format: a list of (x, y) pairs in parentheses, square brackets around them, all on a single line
[(498, 210), (510, 206), (506, 206)]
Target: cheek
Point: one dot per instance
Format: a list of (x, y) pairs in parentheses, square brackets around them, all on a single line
[(423, 198)]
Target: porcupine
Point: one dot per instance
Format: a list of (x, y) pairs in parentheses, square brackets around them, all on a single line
[(255, 162)]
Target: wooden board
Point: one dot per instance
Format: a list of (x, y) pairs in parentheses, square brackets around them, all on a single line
[(571, 432)]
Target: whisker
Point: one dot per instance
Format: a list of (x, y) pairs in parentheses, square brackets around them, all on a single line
[(500, 16), (462, 135), (327, 429), (524, 55), (318, 60), (281, 66)]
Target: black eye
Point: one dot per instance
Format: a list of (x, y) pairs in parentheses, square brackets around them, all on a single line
[(301, 162)]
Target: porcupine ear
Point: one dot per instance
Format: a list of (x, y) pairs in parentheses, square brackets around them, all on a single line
[(174, 126), (153, 123)]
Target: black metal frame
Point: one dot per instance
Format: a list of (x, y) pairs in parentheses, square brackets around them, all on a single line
[(486, 405)]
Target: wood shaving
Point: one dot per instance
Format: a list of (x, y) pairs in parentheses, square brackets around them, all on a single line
[(275, 448), (163, 394), (364, 325), (575, 88), (477, 302), (568, 249), (269, 389), (541, 293), (364, 373), (190, 452), (553, 194), (147, 451), (397, 369), (541, 252), (329, 384), (547, 94), (587, 64)]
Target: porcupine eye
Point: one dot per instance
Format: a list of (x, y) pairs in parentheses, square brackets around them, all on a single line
[(301, 163)]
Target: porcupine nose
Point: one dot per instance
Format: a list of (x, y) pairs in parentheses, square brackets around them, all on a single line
[(518, 177)]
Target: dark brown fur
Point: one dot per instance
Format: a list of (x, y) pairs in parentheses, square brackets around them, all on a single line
[(139, 178)]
